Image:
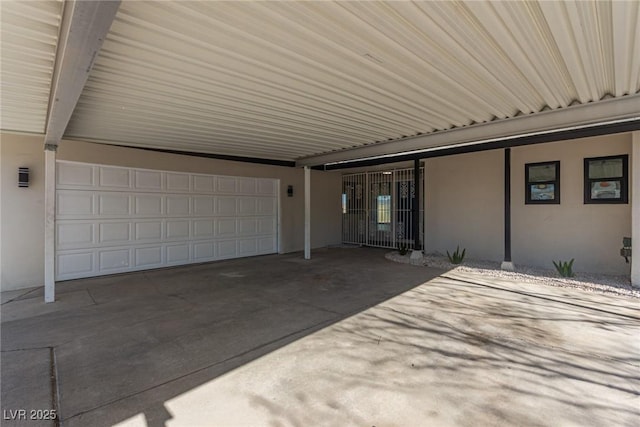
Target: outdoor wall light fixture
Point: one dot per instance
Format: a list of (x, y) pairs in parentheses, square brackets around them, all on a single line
[(23, 177), (289, 190)]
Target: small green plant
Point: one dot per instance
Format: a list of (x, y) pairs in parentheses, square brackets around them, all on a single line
[(565, 269), (457, 257), (403, 248)]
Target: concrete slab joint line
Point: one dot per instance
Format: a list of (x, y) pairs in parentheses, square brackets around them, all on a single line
[(55, 392)]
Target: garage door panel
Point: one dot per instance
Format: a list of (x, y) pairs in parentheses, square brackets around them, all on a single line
[(247, 186), (204, 251), (266, 187), (227, 249), (266, 206), (114, 233), (204, 205), (178, 229), (72, 203), (148, 205), (204, 184), (227, 206), (226, 185), (203, 228), (178, 254), (178, 205), (147, 180), (76, 175), (148, 230), (114, 219), (76, 264), (114, 259), (150, 256), (247, 247), (266, 245), (75, 234), (177, 182), (114, 178), (247, 206), (226, 227), (266, 225), (247, 226), (114, 204)]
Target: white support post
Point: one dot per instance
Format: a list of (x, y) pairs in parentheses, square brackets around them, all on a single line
[(635, 209), (424, 207), (307, 212), (49, 222)]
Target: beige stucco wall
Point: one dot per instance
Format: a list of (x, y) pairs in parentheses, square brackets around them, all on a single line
[(465, 206), (590, 233), (22, 211)]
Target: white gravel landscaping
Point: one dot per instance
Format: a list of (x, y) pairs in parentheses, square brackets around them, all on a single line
[(602, 283)]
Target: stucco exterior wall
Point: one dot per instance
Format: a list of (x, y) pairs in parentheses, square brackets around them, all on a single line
[(465, 206), (22, 210), (590, 233)]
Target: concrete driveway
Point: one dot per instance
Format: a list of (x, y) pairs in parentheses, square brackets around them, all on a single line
[(347, 338)]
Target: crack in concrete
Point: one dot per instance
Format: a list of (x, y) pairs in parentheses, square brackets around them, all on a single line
[(25, 349), (91, 296), (20, 296)]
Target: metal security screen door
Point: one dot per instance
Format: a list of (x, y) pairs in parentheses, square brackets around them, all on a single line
[(377, 208)]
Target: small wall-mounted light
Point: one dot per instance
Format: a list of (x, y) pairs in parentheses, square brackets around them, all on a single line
[(289, 190), (23, 177)]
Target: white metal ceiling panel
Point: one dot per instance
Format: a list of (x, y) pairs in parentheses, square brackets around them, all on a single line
[(29, 37), (292, 79)]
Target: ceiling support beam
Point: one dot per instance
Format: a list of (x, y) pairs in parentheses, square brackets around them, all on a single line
[(85, 25), (545, 124)]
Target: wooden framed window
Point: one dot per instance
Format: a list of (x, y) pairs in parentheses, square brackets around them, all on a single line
[(542, 183), (606, 179)]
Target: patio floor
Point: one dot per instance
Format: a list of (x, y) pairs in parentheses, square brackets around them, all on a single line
[(347, 338)]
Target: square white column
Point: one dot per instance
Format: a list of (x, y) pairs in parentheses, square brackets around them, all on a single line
[(635, 209)]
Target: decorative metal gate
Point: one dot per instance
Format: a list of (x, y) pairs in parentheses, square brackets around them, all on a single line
[(377, 208)]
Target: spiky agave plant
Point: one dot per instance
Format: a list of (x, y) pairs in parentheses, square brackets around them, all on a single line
[(565, 268), (457, 257)]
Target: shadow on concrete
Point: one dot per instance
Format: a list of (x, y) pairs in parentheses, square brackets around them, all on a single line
[(467, 353), (124, 345)]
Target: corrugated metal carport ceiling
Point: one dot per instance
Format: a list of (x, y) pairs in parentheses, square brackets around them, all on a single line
[(285, 80), (28, 46)]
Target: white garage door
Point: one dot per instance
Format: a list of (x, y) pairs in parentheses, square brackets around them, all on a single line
[(113, 219)]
